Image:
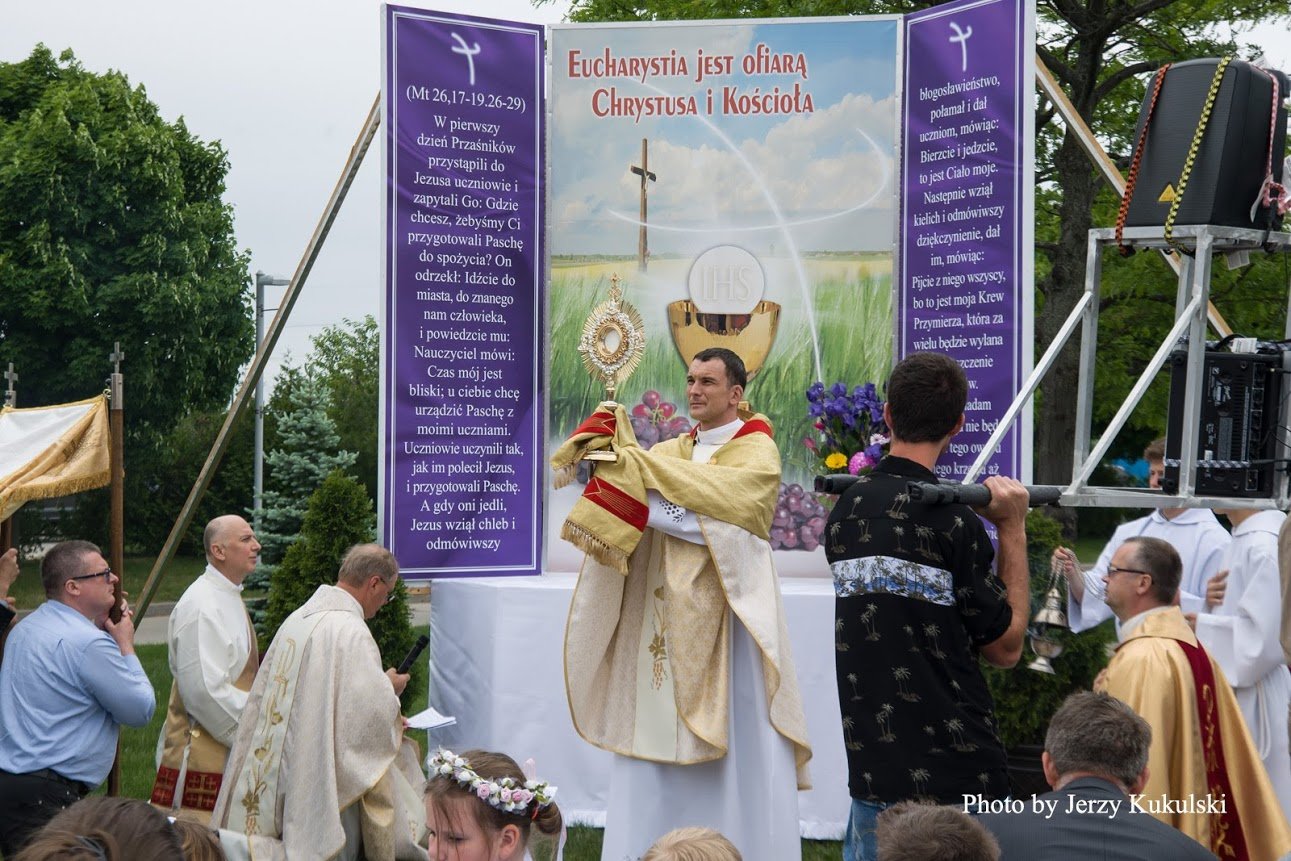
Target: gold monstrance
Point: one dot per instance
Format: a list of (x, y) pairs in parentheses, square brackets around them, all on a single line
[(612, 345)]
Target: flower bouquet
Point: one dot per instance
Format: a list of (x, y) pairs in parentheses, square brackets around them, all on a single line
[(852, 434), (851, 438)]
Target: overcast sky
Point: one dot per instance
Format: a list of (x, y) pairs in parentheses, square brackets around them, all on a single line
[(285, 85)]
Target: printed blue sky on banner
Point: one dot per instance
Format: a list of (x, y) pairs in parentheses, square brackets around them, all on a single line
[(828, 174)]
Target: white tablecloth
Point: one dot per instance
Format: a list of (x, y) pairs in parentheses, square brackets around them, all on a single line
[(496, 665)]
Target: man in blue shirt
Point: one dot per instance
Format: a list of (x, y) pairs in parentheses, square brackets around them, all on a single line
[(70, 678)]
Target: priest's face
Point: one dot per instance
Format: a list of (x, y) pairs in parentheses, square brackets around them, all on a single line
[(235, 550), (1122, 580), (712, 398), (455, 833)]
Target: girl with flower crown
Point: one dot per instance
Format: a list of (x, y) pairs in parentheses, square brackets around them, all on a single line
[(480, 807)]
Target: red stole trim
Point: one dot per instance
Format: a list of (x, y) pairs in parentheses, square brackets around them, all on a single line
[(1226, 837), (750, 426), (599, 423), (753, 426), (622, 505)]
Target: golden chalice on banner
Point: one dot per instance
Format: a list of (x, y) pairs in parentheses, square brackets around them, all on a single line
[(612, 344), (725, 309)]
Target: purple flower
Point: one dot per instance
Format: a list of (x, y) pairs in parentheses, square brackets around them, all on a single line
[(814, 409), (838, 390), (874, 452), (861, 460), (815, 391)]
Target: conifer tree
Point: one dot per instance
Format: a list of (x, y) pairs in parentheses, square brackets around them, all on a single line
[(308, 450)]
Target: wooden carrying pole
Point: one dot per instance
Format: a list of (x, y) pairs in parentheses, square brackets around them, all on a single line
[(116, 516), (246, 392), (10, 400)]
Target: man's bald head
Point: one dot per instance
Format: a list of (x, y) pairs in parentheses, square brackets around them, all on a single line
[(231, 547)]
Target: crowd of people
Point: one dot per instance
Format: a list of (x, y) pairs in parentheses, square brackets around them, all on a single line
[(678, 661)]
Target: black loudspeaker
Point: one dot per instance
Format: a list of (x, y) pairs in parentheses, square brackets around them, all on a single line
[(1240, 447), (1229, 169)]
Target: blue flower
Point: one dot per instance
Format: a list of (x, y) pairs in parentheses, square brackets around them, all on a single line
[(814, 409), (838, 390), (874, 452), (815, 391)]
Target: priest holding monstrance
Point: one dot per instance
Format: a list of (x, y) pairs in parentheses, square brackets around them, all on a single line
[(677, 654)]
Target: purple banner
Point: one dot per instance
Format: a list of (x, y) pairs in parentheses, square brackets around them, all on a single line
[(966, 266), (462, 463)]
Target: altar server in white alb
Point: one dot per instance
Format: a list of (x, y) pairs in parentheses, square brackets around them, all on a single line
[(677, 654), (1195, 533), (213, 661), (1242, 633)]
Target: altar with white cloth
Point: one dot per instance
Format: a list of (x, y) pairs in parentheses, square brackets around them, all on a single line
[(496, 665)]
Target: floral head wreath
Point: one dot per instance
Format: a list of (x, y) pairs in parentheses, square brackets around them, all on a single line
[(505, 793)]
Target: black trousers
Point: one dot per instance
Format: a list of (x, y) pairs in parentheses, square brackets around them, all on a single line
[(27, 802)]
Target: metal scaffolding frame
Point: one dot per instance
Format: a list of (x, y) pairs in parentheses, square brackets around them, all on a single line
[(1192, 301)]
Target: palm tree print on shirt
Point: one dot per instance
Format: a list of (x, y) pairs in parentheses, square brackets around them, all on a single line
[(850, 743), (868, 619), (902, 676), (881, 717)]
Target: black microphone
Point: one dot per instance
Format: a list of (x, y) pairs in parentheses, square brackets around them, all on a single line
[(976, 495), (422, 642)]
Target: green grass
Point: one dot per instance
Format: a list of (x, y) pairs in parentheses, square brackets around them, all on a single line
[(139, 745), (851, 299), (181, 572), (138, 755), (1088, 547)]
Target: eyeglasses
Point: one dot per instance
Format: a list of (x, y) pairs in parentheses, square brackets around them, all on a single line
[(1113, 570), (390, 590), (105, 574)]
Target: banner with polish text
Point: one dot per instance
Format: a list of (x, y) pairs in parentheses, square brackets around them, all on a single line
[(462, 464), (967, 220)]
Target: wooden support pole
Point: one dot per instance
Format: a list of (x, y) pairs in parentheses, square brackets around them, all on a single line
[(116, 516), (246, 391)]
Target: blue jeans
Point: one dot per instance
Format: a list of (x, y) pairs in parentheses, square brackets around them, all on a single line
[(860, 842)]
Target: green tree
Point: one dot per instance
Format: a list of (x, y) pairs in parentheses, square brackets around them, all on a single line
[(181, 454), (345, 361), (339, 515), (308, 450), (1101, 55), (113, 229)]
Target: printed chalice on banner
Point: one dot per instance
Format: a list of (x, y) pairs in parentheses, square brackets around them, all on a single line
[(725, 308), (612, 344)]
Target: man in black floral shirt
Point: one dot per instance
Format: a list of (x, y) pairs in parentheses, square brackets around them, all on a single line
[(917, 603)]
